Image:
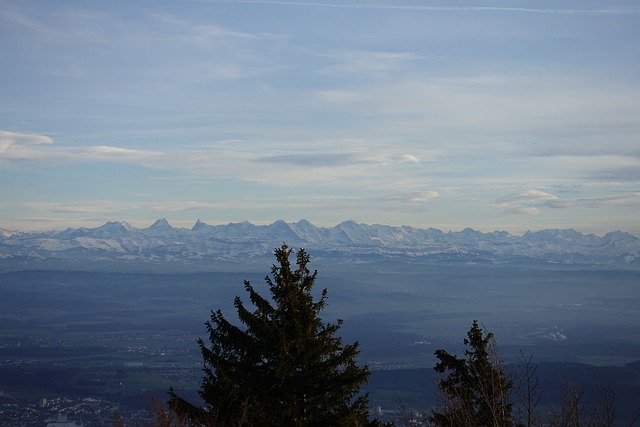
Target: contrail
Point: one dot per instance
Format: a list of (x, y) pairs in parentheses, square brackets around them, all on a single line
[(624, 11)]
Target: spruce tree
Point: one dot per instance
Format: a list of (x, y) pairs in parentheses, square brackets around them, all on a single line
[(474, 390), (285, 366)]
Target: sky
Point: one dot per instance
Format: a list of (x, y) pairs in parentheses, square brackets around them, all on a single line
[(494, 115)]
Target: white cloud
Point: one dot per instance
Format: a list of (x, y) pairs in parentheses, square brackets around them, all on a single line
[(525, 210), (105, 152), (366, 63), (285, 164), (109, 207), (410, 158), (338, 96), (525, 203), (532, 202), (203, 36), (387, 159), (22, 146), (412, 197), (314, 159), (542, 114), (351, 107), (526, 196), (631, 199), (76, 207), (612, 167), (8, 139), (36, 147)]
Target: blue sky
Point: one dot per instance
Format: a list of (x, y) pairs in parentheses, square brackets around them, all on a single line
[(495, 115)]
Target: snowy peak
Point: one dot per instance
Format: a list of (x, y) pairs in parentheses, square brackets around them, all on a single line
[(620, 236), (160, 228), (116, 227), (161, 224), (118, 240), (199, 225), (564, 234), (6, 233)]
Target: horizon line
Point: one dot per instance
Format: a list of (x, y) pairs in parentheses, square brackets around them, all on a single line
[(266, 224)]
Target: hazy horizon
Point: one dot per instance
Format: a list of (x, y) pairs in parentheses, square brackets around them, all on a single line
[(189, 224)]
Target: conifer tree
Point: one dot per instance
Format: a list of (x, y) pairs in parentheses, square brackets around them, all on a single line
[(474, 390), (285, 367)]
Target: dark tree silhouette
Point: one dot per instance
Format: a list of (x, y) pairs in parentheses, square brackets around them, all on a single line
[(285, 367), (474, 389)]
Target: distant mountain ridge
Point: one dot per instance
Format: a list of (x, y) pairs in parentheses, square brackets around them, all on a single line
[(162, 243)]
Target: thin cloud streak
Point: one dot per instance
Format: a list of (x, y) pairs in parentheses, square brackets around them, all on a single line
[(368, 63), (532, 201), (614, 11), (529, 195), (412, 197), (42, 148), (632, 199)]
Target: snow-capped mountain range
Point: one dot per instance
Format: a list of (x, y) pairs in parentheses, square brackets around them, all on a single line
[(162, 243)]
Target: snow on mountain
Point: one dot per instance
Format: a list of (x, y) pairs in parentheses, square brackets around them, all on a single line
[(118, 240), (161, 229), (160, 225), (113, 229), (307, 231), (6, 233)]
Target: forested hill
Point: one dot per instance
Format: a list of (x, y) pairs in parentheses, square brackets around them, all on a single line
[(119, 241)]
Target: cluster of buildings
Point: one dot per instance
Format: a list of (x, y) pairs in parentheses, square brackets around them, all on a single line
[(69, 412)]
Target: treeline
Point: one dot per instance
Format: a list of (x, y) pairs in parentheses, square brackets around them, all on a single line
[(286, 367)]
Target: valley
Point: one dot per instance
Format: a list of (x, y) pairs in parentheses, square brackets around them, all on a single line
[(127, 336)]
